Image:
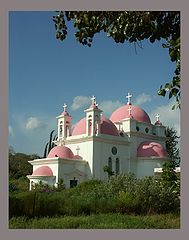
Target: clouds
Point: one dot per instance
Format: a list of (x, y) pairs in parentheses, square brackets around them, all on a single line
[(109, 106), (80, 102), (168, 117), (11, 133), (142, 98), (34, 123)]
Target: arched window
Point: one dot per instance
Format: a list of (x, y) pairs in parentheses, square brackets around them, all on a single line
[(110, 163), (96, 125), (89, 125), (117, 166), (60, 132)]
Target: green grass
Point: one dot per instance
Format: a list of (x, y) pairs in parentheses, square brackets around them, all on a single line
[(99, 221)]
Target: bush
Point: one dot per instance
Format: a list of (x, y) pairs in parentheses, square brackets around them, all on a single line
[(21, 184), (122, 194)]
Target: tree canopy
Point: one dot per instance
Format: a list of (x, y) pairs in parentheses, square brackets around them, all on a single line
[(132, 27), (172, 145)]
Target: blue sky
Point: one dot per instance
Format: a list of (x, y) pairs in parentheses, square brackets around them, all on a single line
[(45, 73)]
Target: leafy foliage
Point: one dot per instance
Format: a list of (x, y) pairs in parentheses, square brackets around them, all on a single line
[(169, 177), (129, 26), (172, 145), (121, 194), (42, 187), (108, 170), (19, 166)]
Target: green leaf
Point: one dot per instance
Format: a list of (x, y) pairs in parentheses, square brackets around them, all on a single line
[(170, 95), (173, 107)]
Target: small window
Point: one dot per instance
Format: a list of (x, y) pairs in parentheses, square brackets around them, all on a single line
[(146, 130), (110, 163), (114, 150), (137, 128), (122, 134), (117, 166)]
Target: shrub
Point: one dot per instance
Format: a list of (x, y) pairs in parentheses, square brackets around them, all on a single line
[(124, 194)]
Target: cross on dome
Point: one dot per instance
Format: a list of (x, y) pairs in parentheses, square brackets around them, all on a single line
[(129, 98), (157, 117), (65, 107), (93, 100)]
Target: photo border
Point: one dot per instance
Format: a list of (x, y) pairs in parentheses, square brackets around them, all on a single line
[(23, 5)]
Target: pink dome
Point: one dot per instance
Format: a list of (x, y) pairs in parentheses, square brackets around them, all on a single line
[(43, 171), (61, 152), (151, 149), (137, 113), (77, 157), (107, 127), (65, 113)]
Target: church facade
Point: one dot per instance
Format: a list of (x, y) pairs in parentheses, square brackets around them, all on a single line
[(126, 142)]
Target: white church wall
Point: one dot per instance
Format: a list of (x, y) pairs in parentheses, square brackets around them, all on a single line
[(102, 153), (68, 171), (85, 151), (145, 167)]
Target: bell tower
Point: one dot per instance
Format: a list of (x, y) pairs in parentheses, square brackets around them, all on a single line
[(64, 125), (93, 118)]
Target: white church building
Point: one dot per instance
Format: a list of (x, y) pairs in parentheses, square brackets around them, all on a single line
[(126, 142)]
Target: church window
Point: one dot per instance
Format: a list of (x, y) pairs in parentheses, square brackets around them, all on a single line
[(137, 128), (60, 132), (122, 134), (90, 127), (110, 163), (114, 150), (146, 130), (117, 166)]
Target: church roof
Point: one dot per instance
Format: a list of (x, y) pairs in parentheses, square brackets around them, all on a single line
[(107, 127), (61, 152), (136, 112), (151, 149), (43, 171)]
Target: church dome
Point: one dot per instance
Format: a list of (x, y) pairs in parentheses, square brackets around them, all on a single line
[(151, 149), (137, 113), (43, 171), (61, 152), (107, 127)]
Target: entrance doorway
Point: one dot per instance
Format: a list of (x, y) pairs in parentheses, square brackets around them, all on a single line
[(73, 183)]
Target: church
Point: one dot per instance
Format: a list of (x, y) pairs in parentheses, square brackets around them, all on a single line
[(126, 142)]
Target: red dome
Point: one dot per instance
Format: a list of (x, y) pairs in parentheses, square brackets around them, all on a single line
[(61, 152), (43, 171), (151, 149), (137, 113), (107, 127)]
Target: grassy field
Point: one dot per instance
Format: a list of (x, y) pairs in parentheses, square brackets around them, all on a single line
[(99, 221)]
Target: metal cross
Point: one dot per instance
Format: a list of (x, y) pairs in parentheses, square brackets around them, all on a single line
[(93, 100), (65, 107), (157, 117), (77, 149), (129, 98)]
